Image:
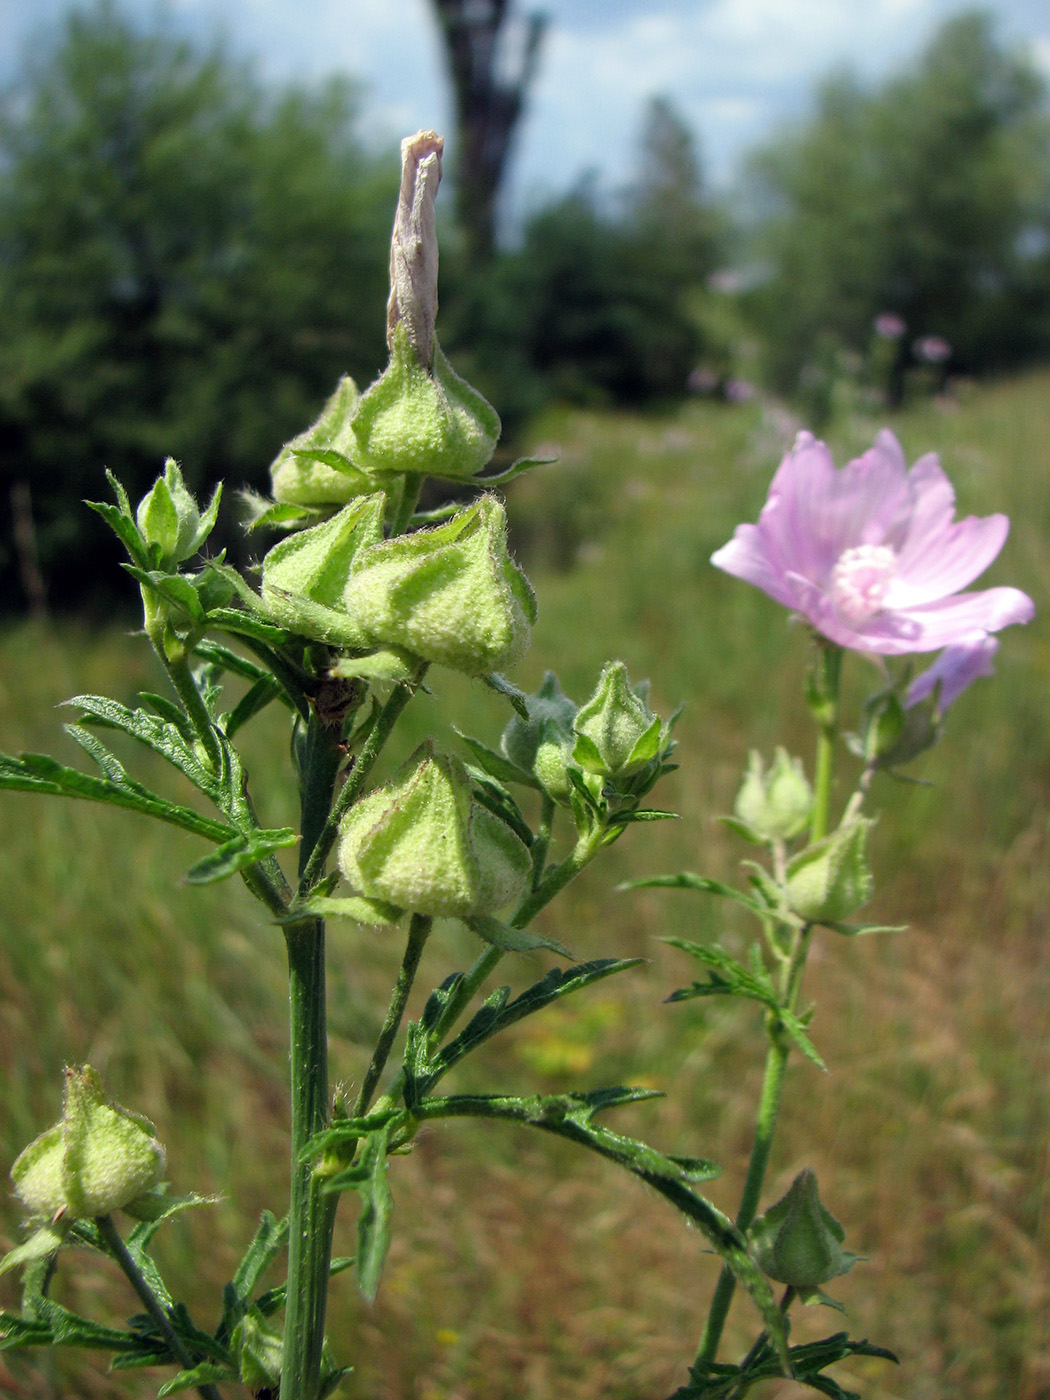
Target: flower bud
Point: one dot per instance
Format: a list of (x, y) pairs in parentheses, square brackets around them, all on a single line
[(98, 1159), (425, 421), (542, 745), (423, 843), (305, 575), (169, 520), (617, 734), (831, 879), (302, 479), (420, 417), (797, 1241), (774, 804), (450, 594)]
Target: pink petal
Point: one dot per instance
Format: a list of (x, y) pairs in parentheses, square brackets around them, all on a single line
[(946, 560), (745, 557)]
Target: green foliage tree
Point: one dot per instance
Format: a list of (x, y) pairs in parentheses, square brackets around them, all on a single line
[(597, 304), (929, 197), (186, 263)]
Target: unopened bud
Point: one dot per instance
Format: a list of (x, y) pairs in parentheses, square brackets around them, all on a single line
[(830, 880), (542, 745), (617, 733), (170, 521), (797, 1241), (775, 803), (423, 843), (98, 1159), (316, 468)]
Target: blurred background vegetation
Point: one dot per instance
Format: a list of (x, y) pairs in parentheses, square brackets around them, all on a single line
[(189, 257)]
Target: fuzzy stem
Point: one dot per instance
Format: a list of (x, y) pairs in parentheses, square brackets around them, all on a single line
[(418, 932), (405, 503), (824, 704), (311, 1214), (149, 1300)]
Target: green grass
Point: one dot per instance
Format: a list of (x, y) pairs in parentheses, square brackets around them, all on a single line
[(520, 1268)]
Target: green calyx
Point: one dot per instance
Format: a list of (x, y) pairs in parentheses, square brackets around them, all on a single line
[(98, 1159), (421, 421), (169, 519), (799, 1242), (542, 744), (774, 804), (318, 468), (450, 595), (424, 844), (618, 736), (831, 879)]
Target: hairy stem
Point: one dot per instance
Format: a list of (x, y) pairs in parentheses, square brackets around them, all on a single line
[(311, 1214), (157, 1311), (824, 704), (418, 932)]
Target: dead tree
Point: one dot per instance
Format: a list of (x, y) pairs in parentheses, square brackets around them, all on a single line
[(489, 91)]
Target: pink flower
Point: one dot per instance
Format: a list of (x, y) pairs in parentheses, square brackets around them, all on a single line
[(872, 554), (955, 668)]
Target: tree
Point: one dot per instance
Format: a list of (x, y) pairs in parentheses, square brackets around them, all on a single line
[(929, 198), (187, 263), (489, 96)]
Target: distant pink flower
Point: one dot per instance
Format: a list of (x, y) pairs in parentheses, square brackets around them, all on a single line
[(955, 668), (890, 326), (872, 554), (932, 349)]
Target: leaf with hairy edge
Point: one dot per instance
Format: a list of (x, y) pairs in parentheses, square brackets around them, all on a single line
[(497, 1013), (509, 939), (237, 854), (124, 527), (688, 881), (264, 690), (207, 1373), (373, 1223), (267, 1242), (495, 765), (38, 772), (502, 686), (523, 464), (154, 732), (17, 1332), (569, 1116)]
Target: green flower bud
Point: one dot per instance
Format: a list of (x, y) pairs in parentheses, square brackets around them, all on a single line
[(831, 879), (617, 734), (450, 594), (424, 843), (98, 1159), (776, 804), (428, 422), (169, 519), (305, 575), (797, 1241), (542, 745), (258, 1349), (317, 467)]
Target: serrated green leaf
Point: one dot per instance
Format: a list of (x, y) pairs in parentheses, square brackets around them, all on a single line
[(523, 464), (857, 930), (509, 939), (495, 764), (237, 854), (794, 1029), (647, 814), (207, 1373), (686, 880), (161, 735), (373, 1223), (267, 1242), (34, 772), (738, 980), (124, 527), (17, 1332), (40, 1245), (108, 763)]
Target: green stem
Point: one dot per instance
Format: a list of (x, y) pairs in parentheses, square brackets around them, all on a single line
[(411, 485), (418, 932), (542, 840), (174, 657), (311, 1214), (824, 699), (157, 1311)]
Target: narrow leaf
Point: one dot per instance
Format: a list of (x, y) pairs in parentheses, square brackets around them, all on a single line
[(509, 939), (373, 1223), (208, 1372), (237, 854), (503, 687), (688, 881)]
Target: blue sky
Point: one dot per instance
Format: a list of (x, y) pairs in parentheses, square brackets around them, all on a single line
[(738, 70)]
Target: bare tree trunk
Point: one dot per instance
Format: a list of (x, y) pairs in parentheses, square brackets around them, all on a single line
[(24, 531), (489, 99)]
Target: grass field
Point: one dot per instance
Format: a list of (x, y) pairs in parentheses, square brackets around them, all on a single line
[(522, 1270)]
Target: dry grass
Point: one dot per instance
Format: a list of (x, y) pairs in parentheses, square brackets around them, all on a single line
[(522, 1270)]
